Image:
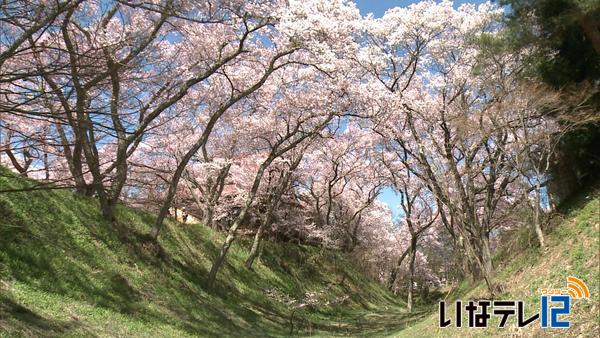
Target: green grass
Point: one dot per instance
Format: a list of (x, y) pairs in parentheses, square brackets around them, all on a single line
[(64, 271), (572, 250)]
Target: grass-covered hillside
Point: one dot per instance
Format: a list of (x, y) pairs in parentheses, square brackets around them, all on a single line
[(523, 269), (66, 272)]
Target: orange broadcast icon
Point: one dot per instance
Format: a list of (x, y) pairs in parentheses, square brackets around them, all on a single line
[(576, 288)]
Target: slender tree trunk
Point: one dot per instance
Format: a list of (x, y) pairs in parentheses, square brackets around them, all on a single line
[(219, 260), (273, 204), (164, 210), (256, 244), (212, 275), (46, 168), (204, 138), (214, 194), (208, 206), (91, 157), (108, 209), (536, 215), (107, 204), (240, 218), (461, 259), (396, 269), (413, 255), (73, 158)]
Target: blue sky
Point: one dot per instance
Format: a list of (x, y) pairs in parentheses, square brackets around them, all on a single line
[(378, 7)]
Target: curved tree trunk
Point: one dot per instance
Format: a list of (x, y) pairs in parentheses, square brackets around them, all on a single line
[(215, 191), (274, 201), (239, 219), (164, 210), (201, 142), (396, 269)]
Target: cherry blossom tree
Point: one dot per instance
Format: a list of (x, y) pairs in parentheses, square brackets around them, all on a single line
[(284, 119), (303, 38), (24, 21), (449, 125), (295, 116), (277, 188)]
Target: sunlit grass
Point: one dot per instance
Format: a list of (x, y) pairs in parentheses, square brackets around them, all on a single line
[(64, 271), (572, 250)]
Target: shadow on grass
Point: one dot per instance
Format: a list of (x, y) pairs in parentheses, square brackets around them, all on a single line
[(15, 318), (58, 243)]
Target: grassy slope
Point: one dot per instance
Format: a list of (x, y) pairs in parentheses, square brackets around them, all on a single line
[(572, 250), (64, 271)]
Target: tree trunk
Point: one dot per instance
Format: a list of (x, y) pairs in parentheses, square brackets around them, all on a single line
[(396, 269), (486, 264), (479, 256), (46, 168), (91, 157), (207, 216), (255, 245), (212, 276), (204, 138), (273, 204), (214, 194), (240, 218), (219, 261), (536, 216), (413, 255), (461, 259), (164, 210), (108, 209)]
